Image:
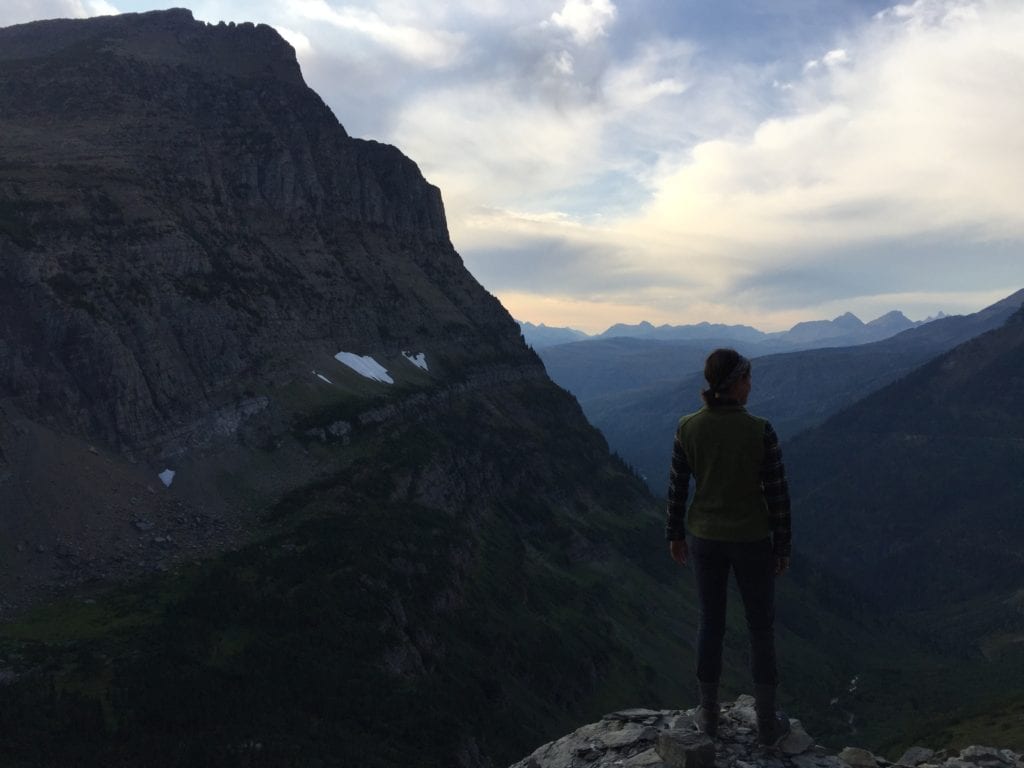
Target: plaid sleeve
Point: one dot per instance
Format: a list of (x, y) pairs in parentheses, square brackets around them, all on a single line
[(678, 488), (776, 493)]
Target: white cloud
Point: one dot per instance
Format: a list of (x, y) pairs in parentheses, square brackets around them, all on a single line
[(428, 47), (654, 73), (833, 58), (297, 40), (20, 11), (916, 138), (563, 63), (633, 170), (895, 168), (586, 20)]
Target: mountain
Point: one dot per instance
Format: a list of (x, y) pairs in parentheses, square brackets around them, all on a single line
[(795, 390), (703, 330), (844, 330), (540, 336), (280, 483), (639, 356), (848, 329), (895, 321), (599, 367), (817, 330), (917, 491), (928, 469)]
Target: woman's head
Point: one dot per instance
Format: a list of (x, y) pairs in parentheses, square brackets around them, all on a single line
[(724, 370)]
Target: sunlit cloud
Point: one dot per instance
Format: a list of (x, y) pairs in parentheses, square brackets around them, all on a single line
[(633, 161), (897, 164), (585, 20), (297, 40), (425, 46)]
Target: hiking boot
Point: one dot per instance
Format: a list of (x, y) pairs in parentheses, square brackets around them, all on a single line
[(771, 731), (706, 717), (706, 720)]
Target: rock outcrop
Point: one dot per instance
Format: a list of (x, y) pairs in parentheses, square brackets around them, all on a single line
[(647, 738), (183, 222), (188, 237)]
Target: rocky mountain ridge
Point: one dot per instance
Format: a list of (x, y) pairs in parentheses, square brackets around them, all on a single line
[(794, 390), (188, 238), (267, 449), (176, 237), (646, 738), (845, 329)]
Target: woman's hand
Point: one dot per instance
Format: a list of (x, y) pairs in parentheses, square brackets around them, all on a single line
[(678, 551)]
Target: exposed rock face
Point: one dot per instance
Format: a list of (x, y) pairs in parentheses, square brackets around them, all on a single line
[(646, 738), (187, 238), (182, 221)]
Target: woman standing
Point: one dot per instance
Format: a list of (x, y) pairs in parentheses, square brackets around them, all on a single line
[(738, 520)]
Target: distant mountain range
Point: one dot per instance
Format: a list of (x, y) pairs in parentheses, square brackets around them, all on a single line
[(636, 393), (919, 487), (844, 330)]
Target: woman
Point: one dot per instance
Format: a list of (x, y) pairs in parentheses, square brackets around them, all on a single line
[(739, 520)]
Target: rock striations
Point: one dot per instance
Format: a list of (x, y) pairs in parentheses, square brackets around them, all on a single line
[(188, 238), (647, 738), (182, 220), (240, 355)]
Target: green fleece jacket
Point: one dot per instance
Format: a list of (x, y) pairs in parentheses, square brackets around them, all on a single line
[(740, 488)]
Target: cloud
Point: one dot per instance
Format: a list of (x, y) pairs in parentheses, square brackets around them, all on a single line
[(20, 11), (585, 20), (901, 167), (889, 169), (833, 58), (297, 40), (752, 163), (433, 48)]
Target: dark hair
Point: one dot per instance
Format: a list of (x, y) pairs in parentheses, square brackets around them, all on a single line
[(717, 368)]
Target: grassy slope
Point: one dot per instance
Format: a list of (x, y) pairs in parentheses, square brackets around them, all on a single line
[(479, 578), (482, 578)]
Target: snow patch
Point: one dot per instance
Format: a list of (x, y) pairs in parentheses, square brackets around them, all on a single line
[(167, 476), (419, 360), (323, 378), (365, 365)]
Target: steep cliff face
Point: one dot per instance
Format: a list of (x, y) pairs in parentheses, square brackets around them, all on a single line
[(188, 239), (183, 221)]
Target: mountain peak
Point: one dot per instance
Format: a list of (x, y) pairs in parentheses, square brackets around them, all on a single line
[(894, 314), (172, 37), (848, 319)]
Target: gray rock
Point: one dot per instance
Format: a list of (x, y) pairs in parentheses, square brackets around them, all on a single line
[(858, 758), (686, 749), (628, 736), (633, 715), (797, 742), (623, 739), (915, 756), (647, 759), (983, 755)]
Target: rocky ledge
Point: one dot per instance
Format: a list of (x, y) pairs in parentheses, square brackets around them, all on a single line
[(648, 738)]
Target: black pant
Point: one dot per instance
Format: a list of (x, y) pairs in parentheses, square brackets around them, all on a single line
[(753, 563)]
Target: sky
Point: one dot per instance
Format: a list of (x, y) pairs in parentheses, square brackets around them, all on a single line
[(676, 161)]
